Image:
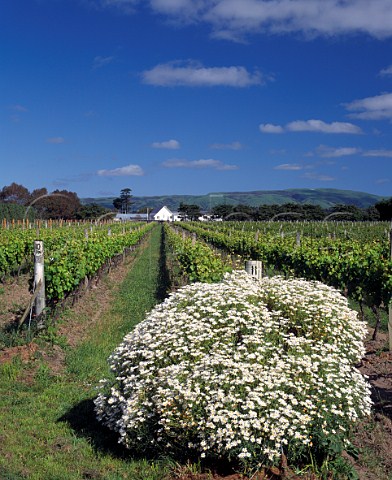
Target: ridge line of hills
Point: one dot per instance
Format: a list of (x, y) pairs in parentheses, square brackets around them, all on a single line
[(324, 197)]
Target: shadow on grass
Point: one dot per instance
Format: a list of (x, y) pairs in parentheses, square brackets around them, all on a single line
[(12, 335), (164, 282), (81, 418)]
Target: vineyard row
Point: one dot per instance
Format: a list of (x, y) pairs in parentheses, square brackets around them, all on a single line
[(360, 269), (71, 254)]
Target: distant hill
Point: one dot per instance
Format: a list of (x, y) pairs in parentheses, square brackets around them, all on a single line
[(325, 197)]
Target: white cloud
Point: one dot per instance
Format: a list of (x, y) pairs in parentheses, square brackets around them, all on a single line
[(127, 171), (385, 72), (193, 74), (372, 108), (331, 152), (227, 146), (316, 17), (322, 127), (378, 153), (231, 18), (55, 140), (289, 166), (202, 163), (100, 62), (311, 126), (168, 145), (270, 128)]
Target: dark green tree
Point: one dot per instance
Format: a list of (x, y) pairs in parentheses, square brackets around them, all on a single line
[(189, 212), (241, 213), (385, 209), (117, 203), (221, 211), (312, 212), (91, 211), (13, 211), (126, 202), (347, 212), (144, 210), (265, 212), (371, 214)]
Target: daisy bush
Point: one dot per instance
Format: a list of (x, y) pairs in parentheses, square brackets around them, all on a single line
[(243, 370)]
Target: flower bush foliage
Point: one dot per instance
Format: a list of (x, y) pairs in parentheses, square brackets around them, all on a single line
[(243, 369)]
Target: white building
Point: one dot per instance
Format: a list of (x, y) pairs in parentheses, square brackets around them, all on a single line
[(166, 215)]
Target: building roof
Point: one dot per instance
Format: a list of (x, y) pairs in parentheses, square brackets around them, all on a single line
[(166, 209), (131, 216)]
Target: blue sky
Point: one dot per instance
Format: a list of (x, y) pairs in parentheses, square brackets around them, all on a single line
[(196, 96)]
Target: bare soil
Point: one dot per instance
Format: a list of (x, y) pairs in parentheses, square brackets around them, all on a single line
[(377, 365), (373, 437), (283, 472), (14, 299), (89, 302)]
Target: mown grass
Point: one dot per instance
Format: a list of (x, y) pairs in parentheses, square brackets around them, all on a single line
[(48, 428)]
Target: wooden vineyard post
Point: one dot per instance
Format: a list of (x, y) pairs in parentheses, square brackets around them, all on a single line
[(298, 239), (39, 276), (390, 325)]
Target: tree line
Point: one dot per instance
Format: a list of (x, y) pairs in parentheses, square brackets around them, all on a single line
[(17, 202), (381, 211), (291, 211)]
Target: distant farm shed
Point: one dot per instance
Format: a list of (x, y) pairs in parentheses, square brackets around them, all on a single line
[(131, 217)]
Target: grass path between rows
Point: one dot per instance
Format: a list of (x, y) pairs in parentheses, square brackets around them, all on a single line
[(48, 429)]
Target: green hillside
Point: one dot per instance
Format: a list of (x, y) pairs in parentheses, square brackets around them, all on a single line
[(325, 197)]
